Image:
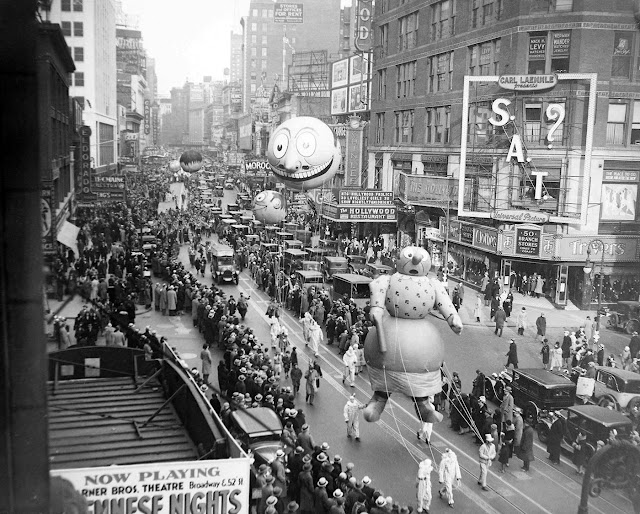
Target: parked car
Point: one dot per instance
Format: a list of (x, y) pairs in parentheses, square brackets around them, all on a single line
[(593, 421), (293, 259), (352, 285), (374, 270), (356, 263), (223, 264), (617, 388), (219, 191), (625, 316), (307, 278), (259, 432), (536, 390), (331, 265), (229, 185)]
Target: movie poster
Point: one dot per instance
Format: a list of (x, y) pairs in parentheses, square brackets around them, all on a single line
[(619, 202)]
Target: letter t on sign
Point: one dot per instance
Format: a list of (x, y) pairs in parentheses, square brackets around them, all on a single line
[(539, 175)]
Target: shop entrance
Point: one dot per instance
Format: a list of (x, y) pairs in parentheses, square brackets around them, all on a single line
[(523, 276)]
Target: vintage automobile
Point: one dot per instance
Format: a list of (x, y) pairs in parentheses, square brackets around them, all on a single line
[(536, 390), (331, 265), (374, 270), (625, 316), (593, 421), (351, 285), (293, 244), (232, 208), (356, 263), (293, 259), (218, 191), (223, 264), (259, 432), (308, 278), (229, 184), (617, 388), (330, 245), (311, 265)]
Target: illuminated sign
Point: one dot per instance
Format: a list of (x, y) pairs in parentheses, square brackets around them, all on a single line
[(363, 35), (147, 116)]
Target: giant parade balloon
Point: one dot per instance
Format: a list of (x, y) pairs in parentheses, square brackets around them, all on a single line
[(269, 207), (304, 153), (174, 166), (404, 352), (191, 161)]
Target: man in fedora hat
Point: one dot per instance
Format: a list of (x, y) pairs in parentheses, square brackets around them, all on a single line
[(306, 490), (506, 406), (321, 497), (555, 437), (278, 471), (486, 455)]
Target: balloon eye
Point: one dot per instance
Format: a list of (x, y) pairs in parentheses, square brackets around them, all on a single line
[(409, 255), (280, 145), (260, 197), (276, 203), (306, 144)]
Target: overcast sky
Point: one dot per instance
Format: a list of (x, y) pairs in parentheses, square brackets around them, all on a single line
[(188, 38)]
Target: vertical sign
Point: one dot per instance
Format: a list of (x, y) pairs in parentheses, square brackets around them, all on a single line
[(147, 116), (353, 156), (83, 177), (528, 241), (363, 34), (47, 221), (155, 126)]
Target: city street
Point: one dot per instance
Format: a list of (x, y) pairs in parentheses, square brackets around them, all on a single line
[(389, 451)]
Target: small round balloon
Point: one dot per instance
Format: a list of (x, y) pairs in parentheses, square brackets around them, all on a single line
[(269, 207), (304, 153), (191, 161), (174, 166)]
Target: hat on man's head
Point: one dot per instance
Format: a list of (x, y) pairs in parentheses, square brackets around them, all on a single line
[(322, 482), (337, 458), (306, 458), (306, 467), (321, 457), (299, 450), (488, 438), (366, 480), (482, 399), (272, 500), (381, 501), (280, 453), (338, 493), (292, 506), (352, 481), (269, 479), (263, 468), (325, 447), (305, 427)]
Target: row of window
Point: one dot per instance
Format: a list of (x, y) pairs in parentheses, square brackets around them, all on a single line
[(76, 79), (263, 51), (71, 5), (623, 124), (78, 28), (255, 64), (443, 18), (264, 13), (254, 39)]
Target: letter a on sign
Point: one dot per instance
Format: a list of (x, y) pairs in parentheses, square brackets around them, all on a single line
[(515, 150)]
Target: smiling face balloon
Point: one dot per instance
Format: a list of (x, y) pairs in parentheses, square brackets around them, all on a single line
[(414, 261), (268, 207), (304, 153)]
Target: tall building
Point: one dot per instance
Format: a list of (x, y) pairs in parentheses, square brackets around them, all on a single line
[(509, 132), (90, 31), (56, 124), (235, 58), (269, 42)]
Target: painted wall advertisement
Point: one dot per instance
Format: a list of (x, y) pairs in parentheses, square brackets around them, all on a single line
[(288, 13), (220, 486), (619, 202)]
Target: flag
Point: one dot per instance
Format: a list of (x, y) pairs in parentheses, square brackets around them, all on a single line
[(68, 236)]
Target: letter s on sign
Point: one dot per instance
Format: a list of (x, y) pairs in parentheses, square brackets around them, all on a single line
[(503, 113)]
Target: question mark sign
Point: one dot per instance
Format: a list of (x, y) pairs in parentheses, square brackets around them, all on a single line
[(554, 112)]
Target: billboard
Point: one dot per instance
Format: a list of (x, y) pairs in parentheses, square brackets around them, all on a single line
[(108, 187), (288, 13), (351, 84), (220, 486)]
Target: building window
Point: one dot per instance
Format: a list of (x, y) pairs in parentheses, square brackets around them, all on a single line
[(253, 88), (254, 27), (265, 13), (384, 40), (254, 13), (254, 52), (264, 51), (106, 144), (254, 75), (79, 79), (382, 84), (408, 32), (78, 29), (380, 128), (404, 126), (480, 130), (440, 77), (65, 5), (484, 12), (537, 125), (66, 28), (77, 5), (551, 5), (264, 40), (484, 58), (443, 19), (384, 6), (616, 122), (254, 39), (549, 52), (406, 78), (438, 124), (253, 63), (78, 54), (621, 63), (263, 65)]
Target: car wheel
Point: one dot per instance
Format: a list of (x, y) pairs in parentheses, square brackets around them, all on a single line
[(613, 320), (531, 411), (632, 326), (543, 432), (609, 402), (633, 404)]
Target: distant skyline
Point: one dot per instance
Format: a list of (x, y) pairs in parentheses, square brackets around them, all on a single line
[(188, 39)]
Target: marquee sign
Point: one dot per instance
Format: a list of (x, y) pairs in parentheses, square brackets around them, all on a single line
[(516, 216), (363, 34), (527, 82)]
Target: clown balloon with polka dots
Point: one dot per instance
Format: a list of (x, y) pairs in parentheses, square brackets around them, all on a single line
[(404, 352)]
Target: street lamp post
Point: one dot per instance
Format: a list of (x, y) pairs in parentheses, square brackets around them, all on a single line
[(587, 269)]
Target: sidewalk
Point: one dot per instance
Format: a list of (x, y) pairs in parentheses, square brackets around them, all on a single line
[(558, 320)]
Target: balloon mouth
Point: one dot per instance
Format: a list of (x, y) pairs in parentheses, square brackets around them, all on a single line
[(413, 271), (302, 175)]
